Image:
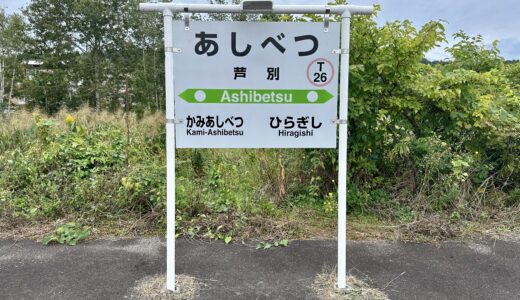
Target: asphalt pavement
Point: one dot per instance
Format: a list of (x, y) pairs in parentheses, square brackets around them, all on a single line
[(104, 269)]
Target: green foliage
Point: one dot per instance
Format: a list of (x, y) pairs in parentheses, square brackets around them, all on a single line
[(269, 245), (330, 204), (12, 44), (66, 168), (405, 214), (70, 234), (427, 136), (441, 138), (99, 53), (219, 233), (470, 53)]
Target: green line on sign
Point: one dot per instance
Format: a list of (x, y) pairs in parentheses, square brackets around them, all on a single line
[(237, 96)]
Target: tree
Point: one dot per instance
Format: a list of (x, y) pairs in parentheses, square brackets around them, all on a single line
[(230, 17), (12, 44), (54, 43), (100, 51), (470, 53)]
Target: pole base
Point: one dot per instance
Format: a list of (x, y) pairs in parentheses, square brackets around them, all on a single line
[(344, 290), (176, 291)]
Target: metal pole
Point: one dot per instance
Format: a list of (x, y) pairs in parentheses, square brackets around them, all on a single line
[(170, 150), (345, 11), (342, 172), (237, 8)]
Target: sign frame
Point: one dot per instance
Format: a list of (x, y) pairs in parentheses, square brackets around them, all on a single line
[(168, 9), (279, 92)]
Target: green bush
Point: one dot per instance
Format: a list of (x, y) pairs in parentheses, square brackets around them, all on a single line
[(70, 234), (423, 138)]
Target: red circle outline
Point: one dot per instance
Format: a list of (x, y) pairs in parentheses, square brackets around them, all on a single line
[(328, 81)]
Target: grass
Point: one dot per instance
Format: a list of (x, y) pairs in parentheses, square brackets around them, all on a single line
[(10, 230), (325, 288), (239, 193), (297, 223), (154, 288)]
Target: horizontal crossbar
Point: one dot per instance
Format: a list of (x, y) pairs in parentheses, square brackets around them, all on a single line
[(237, 8)]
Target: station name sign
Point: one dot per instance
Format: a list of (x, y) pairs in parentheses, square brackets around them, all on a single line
[(256, 85)]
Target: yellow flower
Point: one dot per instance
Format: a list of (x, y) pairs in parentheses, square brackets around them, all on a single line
[(69, 119), (36, 117)]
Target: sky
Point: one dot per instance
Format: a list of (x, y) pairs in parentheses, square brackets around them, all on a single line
[(494, 20)]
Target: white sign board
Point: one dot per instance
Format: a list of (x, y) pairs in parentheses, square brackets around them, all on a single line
[(256, 84)]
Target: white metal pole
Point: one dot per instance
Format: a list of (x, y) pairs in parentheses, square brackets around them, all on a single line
[(170, 150), (342, 172), (346, 11)]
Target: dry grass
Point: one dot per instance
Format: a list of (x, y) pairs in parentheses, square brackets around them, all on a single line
[(13, 229), (325, 288), (154, 288), (368, 229), (277, 228), (306, 226), (293, 223), (17, 121), (23, 120), (151, 121), (428, 228), (18, 230), (296, 223)]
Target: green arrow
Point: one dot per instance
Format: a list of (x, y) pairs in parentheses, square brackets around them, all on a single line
[(246, 96)]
